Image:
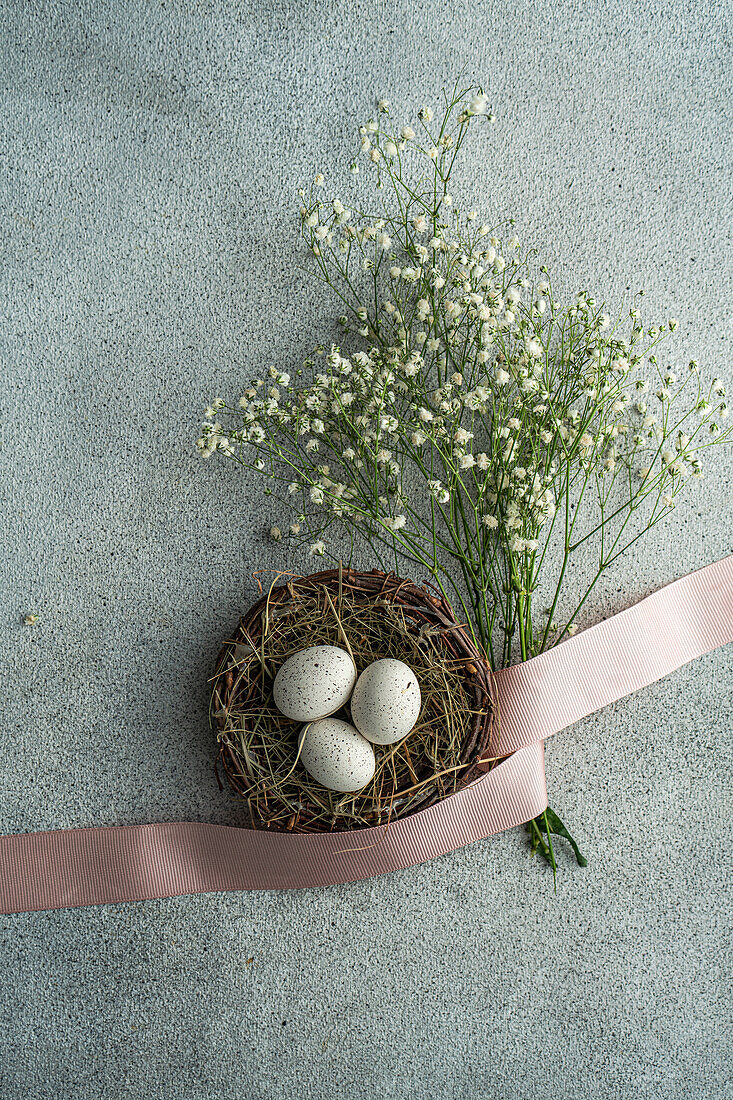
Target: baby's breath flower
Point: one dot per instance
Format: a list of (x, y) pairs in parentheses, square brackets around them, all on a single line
[(479, 105), (464, 360)]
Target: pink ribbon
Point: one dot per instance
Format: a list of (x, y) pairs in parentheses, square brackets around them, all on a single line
[(610, 660), (72, 867)]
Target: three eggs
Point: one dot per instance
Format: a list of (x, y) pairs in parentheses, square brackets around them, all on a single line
[(312, 685)]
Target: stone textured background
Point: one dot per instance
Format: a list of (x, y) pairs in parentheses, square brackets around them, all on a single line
[(149, 155)]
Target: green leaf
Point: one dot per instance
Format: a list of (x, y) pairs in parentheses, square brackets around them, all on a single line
[(550, 822)]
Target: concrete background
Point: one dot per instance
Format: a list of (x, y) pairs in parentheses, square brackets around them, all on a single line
[(150, 155)]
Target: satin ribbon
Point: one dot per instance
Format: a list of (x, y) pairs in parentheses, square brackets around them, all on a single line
[(73, 867)]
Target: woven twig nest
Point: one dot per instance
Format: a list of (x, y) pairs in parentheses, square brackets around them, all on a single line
[(381, 616)]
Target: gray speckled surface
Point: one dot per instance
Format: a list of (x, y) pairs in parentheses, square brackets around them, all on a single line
[(150, 155)]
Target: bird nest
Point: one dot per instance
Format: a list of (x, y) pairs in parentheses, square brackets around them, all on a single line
[(374, 615)]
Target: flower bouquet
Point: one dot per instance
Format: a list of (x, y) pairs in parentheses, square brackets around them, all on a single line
[(466, 424)]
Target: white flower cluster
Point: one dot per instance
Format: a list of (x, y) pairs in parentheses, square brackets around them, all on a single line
[(477, 410)]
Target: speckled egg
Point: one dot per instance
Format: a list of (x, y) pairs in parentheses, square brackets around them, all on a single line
[(336, 755), (386, 701), (314, 683)]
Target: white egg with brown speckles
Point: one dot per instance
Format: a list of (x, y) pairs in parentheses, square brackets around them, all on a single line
[(336, 755), (314, 683), (386, 701)]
